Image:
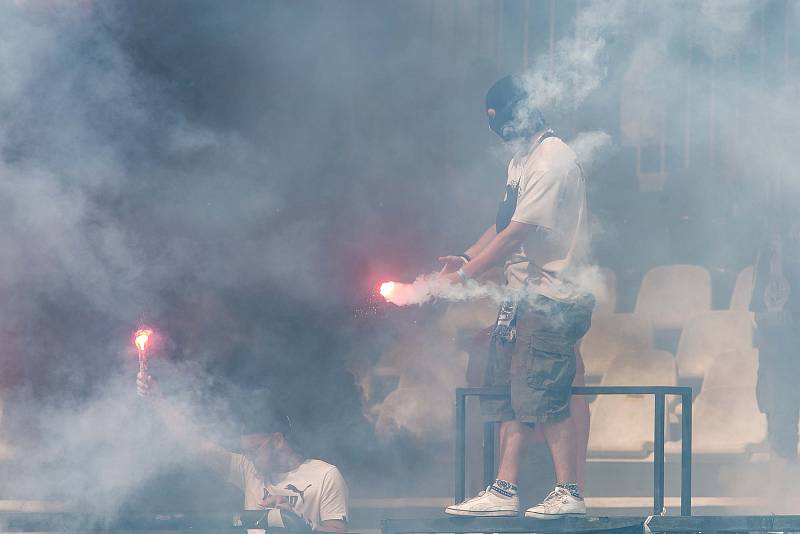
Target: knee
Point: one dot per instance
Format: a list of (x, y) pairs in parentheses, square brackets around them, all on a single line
[(514, 430)]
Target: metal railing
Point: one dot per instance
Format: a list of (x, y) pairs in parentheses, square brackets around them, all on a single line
[(658, 392)]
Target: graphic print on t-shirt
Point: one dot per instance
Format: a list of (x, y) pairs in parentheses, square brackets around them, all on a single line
[(300, 496), (507, 207), (300, 493)]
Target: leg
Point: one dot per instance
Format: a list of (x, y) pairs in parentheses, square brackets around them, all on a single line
[(776, 391), (782, 432), (581, 417), (500, 499), (551, 372), (560, 438), (513, 444)]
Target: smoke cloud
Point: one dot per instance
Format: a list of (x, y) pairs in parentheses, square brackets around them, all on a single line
[(427, 288), (238, 176)]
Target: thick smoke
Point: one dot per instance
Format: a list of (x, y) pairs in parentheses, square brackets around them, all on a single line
[(96, 454), (123, 205), (433, 287), (579, 63), (237, 174)]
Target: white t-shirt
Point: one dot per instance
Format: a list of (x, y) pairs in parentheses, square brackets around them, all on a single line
[(551, 194), (316, 490)]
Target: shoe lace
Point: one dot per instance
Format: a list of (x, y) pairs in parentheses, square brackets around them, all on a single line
[(554, 496), (479, 495)]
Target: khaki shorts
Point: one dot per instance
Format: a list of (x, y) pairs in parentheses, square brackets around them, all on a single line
[(540, 365)]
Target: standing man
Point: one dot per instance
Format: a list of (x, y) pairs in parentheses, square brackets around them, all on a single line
[(776, 303), (540, 235)]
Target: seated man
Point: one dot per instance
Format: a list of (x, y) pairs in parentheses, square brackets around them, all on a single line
[(271, 471)]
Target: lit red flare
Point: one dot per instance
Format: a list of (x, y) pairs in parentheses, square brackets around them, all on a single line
[(141, 337), (387, 288)]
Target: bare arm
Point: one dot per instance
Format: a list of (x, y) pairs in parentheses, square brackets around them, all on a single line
[(214, 456), (482, 242), (452, 263), (499, 247), (334, 496)]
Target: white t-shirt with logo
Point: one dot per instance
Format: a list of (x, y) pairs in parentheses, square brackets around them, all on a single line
[(316, 490), (551, 195)]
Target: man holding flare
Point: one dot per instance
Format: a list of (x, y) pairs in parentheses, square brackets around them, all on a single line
[(540, 235)]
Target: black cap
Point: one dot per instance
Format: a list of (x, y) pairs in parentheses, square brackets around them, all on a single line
[(505, 92), (503, 98), (268, 423), (259, 413)]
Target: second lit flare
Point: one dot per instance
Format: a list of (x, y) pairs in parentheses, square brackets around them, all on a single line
[(141, 338)]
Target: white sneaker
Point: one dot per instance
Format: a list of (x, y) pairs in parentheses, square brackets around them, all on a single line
[(486, 504), (560, 503)]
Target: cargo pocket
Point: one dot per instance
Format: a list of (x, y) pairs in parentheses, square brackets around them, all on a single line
[(552, 363)]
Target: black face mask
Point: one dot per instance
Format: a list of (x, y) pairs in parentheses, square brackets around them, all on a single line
[(503, 123), (503, 98)]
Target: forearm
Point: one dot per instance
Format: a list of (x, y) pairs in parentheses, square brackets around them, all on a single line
[(500, 247), (482, 242)]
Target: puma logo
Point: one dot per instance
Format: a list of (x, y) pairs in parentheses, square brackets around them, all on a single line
[(301, 493)]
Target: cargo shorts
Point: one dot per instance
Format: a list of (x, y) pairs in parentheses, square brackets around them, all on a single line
[(539, 365)]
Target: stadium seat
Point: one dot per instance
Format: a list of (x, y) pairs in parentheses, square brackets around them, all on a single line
[(651, 367), (726, 421), (622, 425), (707, 335), (735, 368), (742, 290), (424, 413), (612, 335), (423, 356), (394, 357), (424, 361), (671, 293)]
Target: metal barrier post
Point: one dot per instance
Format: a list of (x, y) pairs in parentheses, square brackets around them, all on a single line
[(658, 455), (488, 454), (686, 453), (659, 393), (461, 445)]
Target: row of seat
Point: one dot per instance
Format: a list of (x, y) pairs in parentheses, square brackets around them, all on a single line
[(668, 293), (725, 413), (704, 336), (726, 416), (430, 362)]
